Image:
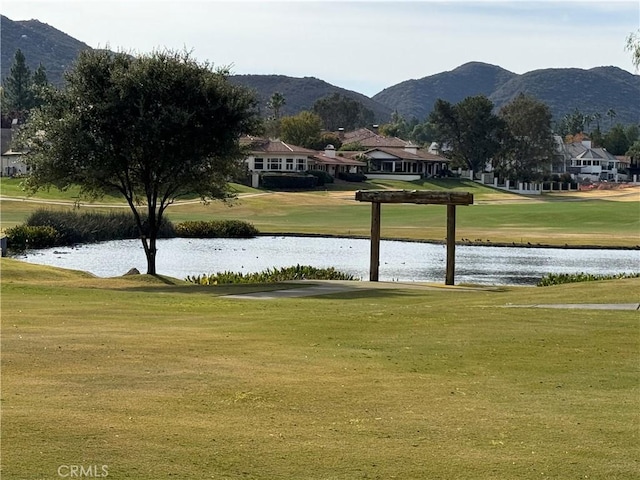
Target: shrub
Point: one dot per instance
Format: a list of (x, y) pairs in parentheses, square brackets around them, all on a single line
[(299, 272), (216, 229), (22, 237), (322, 176), (352, 177), (75, 227), (288, 181), (560, 278)]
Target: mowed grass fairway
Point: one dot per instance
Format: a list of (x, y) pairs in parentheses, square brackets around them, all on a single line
[(593, 218), (155, 379)]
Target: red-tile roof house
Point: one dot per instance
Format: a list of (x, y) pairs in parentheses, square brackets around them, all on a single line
[(335, 163)]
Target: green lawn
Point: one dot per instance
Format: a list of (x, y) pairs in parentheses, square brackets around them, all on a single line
[(158, 380), (496, 217)]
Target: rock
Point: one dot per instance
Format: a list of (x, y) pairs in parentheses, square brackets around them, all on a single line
[(133, 271)]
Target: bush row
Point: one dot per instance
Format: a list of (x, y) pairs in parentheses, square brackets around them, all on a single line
[(86, 227), (352, 177), (322, 176), (216, 229), (288, 181), (560, 278), (299, 272), (51, 228)]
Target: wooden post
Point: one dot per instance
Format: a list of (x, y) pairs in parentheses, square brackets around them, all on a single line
[(375, 242), (451, 244), (422, 197)]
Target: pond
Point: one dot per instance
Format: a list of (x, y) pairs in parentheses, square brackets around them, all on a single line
[(399, 261)]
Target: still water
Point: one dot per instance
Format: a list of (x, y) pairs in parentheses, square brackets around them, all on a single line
[(399, 261)]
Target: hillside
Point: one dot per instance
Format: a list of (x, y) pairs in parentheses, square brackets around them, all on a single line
[(40, 43), (597, 90), (590, 91), (564, 89), (302, 93), (415, 98)]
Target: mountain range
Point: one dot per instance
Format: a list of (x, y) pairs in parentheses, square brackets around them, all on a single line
[(597, 90)]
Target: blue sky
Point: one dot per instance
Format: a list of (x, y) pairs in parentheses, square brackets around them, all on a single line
[(364, 46)]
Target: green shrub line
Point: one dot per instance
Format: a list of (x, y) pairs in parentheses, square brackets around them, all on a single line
[(288, 181), (560, 278), (322, 176), (216, 229), (23, 237), (298, 272), (52, 228)]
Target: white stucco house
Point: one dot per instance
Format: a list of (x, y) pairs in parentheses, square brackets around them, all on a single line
[(585, 162), (11, 163), (271, 155)]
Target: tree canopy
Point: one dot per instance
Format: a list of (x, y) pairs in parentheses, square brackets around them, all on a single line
[(468, 132), (527, 145), (303, 129), (154, 128), (339, 111)]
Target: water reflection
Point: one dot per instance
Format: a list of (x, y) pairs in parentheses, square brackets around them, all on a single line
[(399, 261)]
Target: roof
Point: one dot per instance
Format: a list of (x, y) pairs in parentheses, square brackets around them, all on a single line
[(370, 139), (5, 140), (579, 150), (270, 145), (403, 154)]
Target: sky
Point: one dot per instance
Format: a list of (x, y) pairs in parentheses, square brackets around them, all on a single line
[(365, 46)]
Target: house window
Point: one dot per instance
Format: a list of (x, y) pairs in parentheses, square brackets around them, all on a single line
[(300, 163), (274, 164), (258, 164), (289, 163)]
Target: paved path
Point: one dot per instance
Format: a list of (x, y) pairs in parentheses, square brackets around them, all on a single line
[(311, 291), (314, 288), (583, 306)]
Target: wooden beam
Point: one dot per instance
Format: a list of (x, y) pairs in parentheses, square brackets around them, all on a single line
[(374, 264), (424, 197), (451, 245)]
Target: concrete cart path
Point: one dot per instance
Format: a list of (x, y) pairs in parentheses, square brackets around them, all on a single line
[(583, 306), (313, 288)]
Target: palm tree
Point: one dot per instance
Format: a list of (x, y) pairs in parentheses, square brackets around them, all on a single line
[(275, 103), (611, 113)]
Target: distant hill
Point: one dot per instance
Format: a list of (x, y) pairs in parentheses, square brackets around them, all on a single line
[(564, 89), (301, 93), (40, 43), (415, 98), (590, 91)]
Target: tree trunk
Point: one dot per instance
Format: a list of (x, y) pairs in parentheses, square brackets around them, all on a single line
[(151, 253)]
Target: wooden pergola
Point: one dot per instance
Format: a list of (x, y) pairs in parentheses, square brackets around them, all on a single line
[(422, 197)]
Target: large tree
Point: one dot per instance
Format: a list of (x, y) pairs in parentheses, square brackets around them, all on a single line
[(155, 128), (528, 145), (339, 111), (18, 93), (303, 129), (468, 132)]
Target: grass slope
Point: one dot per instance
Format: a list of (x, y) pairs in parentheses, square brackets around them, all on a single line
[(496, 217), (154, 378)]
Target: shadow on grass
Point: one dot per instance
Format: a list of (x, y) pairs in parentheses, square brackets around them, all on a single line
[(351, 292)]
